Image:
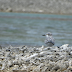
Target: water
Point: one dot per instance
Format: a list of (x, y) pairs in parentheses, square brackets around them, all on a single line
[(28, 28)]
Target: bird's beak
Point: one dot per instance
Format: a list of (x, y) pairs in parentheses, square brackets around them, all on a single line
[(43, 35)]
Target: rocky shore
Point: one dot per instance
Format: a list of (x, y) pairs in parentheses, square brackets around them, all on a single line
[(37, 6), (36, 59)]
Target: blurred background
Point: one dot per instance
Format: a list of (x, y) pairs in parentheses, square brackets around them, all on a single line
[(23, 22)]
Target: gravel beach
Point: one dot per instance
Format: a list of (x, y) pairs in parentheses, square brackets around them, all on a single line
[(36, 59), (37, 6)]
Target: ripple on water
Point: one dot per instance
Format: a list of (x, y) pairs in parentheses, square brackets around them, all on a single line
[(24, 28)]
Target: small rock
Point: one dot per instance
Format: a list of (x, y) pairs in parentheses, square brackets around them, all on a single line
[(70, 62), (69, 69), (23, 47), (55, 68), (42, 46), (24, 50), (19, 70), (65, 46), (36, 70), (9, 10), (7, 50), (0, 47)]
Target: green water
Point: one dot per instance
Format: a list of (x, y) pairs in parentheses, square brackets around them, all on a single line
[(27, 28)]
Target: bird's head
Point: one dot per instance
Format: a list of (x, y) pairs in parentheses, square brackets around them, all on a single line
[(47, 34)]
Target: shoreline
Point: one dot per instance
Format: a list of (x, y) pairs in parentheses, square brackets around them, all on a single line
[(37, 12), (36, 59)]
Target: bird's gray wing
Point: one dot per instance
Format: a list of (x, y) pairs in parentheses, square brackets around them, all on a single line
[(49, 40)]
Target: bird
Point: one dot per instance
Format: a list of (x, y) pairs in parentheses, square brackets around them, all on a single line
[(49, 41)]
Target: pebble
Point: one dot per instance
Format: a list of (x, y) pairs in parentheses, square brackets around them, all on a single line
[(36, 59)]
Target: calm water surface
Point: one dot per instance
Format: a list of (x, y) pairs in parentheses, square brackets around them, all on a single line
[(27, 28)]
